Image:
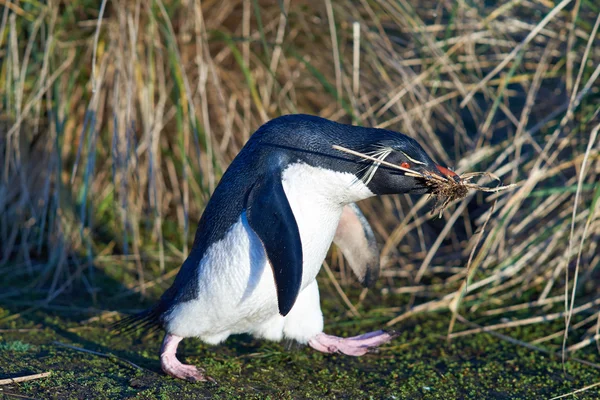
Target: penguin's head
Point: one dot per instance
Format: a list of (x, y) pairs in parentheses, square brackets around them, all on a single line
[(407, 153), (313, 140)]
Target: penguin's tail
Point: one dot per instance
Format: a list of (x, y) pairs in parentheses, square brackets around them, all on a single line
[(147, 322)]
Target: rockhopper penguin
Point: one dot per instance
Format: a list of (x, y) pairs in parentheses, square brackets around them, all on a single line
[(266, 231)]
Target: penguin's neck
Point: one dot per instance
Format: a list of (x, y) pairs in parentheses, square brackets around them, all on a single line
[(317, 197), (323, 185)]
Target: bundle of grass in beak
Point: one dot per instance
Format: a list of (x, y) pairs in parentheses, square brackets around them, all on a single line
[(444, 189)]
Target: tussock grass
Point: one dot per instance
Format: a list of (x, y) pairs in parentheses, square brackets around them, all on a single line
[(114, 135)]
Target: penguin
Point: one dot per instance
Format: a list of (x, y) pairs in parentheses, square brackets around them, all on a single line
[(266, 230)]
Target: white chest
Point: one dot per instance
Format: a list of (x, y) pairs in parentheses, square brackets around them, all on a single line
[(235, 282), (317, 197)]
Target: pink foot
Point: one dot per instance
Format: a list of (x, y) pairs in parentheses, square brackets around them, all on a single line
[(352, 346), (172, 366)]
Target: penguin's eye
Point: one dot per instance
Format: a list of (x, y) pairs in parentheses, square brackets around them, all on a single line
[(405, 165)]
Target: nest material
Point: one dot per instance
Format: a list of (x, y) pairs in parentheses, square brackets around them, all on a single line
[(444, 190)]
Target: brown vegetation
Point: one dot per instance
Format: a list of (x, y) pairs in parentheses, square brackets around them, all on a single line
[(117, 126)]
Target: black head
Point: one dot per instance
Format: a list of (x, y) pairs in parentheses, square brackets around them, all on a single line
[(309, 139), (404, 151)]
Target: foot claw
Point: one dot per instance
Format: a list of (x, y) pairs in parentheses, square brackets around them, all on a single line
[(183, 371), (392, 332)]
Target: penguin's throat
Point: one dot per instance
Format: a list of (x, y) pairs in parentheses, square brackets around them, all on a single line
[(317, 197), (323, 186)]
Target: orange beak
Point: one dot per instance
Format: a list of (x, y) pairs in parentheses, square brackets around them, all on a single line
[(447, 173)]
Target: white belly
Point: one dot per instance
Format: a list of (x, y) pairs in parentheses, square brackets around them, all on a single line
[(236, 286)]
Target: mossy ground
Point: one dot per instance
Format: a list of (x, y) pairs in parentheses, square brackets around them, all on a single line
[(420, 363)]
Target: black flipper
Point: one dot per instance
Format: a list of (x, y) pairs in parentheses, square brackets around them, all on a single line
[(270, 216), (356, 240)]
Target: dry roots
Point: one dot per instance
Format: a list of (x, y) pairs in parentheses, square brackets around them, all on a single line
[(446, 191)]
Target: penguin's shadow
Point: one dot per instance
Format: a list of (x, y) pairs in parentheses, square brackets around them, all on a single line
[(239, 345), (64, 314), (123, 356)]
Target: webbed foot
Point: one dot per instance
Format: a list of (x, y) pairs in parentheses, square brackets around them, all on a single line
[(172, 366), (352, 346)]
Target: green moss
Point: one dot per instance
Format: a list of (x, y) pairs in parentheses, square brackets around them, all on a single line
[(16, 346), (419, 364)]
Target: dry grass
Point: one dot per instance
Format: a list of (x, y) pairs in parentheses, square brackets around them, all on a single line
[(111, 151)]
